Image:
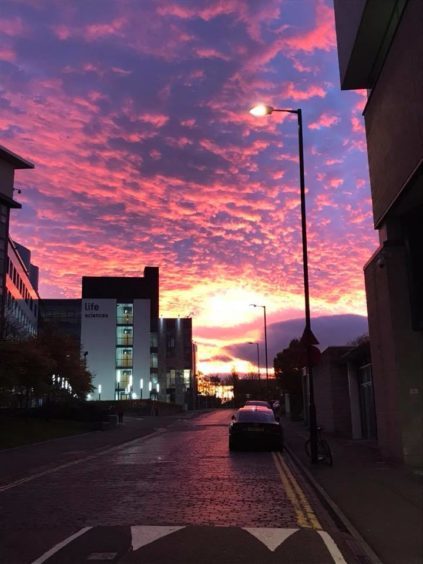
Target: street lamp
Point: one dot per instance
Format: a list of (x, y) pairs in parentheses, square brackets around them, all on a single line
[(258, 357), (265, 343), (194, 376), (308, 338)]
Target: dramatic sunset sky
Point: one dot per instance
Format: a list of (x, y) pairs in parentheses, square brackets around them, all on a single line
[(135, 114)]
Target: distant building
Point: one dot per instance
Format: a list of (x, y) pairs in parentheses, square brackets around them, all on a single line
[(20, 313), (61, 315), (380, 48), (9, 162), (344, 392), (175, 361), (130, 351), (119, 320)]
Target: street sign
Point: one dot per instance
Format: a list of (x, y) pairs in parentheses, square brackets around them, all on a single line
[(308, 337)]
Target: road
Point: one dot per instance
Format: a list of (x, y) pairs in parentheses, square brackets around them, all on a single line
[(176, 495)]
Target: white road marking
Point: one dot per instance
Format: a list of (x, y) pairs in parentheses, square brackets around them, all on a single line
[(143, 535), (59, 546), (331, 546), (270, 537)]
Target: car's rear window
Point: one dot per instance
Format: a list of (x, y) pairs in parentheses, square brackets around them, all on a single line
[(255, 416), (262, 403)]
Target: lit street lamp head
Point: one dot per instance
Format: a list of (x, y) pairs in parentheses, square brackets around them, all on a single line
[(261, 110)]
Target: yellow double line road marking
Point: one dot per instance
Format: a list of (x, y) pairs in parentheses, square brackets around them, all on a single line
[(304, 513)]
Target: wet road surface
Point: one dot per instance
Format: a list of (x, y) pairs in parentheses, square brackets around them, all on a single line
[(177, 495)]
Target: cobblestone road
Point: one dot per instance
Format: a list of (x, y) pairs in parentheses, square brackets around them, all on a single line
[(181, 476)]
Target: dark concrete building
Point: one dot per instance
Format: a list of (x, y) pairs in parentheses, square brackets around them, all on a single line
[(175, 361), (380, 47), (344, 392)]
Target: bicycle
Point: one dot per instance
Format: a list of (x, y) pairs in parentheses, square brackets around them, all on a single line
[(324, 454)]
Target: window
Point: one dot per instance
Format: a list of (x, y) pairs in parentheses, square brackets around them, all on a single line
[(170, 343), (153, 340), (187, 377), (125, 314), (171, 379), (124, 336), (124, 357)]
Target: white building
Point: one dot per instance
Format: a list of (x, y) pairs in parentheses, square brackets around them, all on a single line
[(119, 319)]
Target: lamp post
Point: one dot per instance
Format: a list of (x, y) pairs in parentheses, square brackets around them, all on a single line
[(258, 357), (194, 376), (265, 343), (308, 339)]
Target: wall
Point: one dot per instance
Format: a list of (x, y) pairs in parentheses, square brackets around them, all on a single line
[(348, 18), (98, 337), (331, 392), (141, 366), (394, 113), (397, 358)]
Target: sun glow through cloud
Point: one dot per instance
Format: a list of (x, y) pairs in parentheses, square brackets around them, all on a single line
[(135, 115)]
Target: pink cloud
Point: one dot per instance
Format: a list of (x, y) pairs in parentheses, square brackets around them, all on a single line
[(62, 32), (324, 120), (357, 125), (322, 36), (336, 182), (7, 54), (97, 31), (295, 92), (331, 162), (158, 120), (12, 26), (188, 123), (208, 53)]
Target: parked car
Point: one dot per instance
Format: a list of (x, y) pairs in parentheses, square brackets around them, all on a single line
[(255, 426), (259, 403)]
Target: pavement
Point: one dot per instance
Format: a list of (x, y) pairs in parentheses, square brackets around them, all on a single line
[(379, 502), (18, 462)]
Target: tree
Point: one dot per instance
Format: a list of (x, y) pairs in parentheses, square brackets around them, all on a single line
[(27, 368), (25, 371), (362, 353), (65, 352)]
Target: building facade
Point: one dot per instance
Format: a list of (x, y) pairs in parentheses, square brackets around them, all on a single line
[(344, 392), (119, 320), (9, 162), (61, 315), (380, 48), (175, 361), (131, 352), (21, 303)]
